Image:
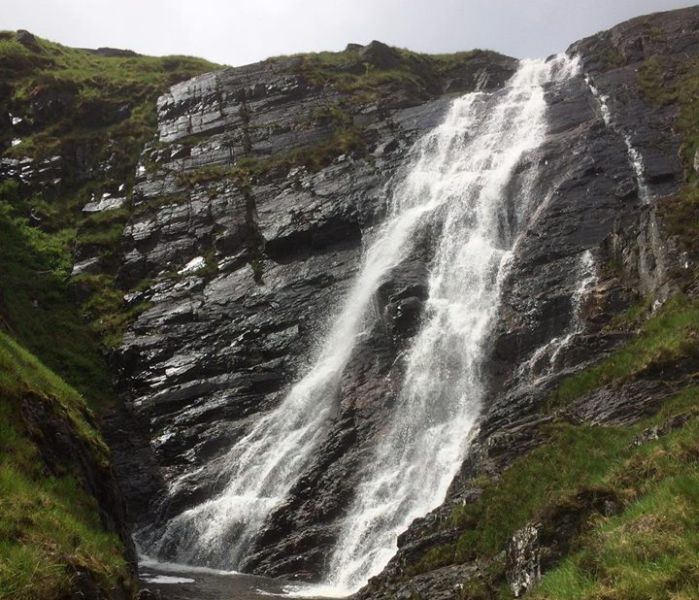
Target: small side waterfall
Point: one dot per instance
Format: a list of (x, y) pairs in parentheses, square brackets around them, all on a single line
[(464, 178), (543, 360), (635, 158)]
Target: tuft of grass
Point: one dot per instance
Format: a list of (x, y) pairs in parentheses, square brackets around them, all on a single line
[(675, 81), (669, 336), (362, 82), (88, 92), (574, 458), (610, 58), (650, 549), (104, 308), (633, 316)]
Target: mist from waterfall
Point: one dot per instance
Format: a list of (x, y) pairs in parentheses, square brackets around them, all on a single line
[(463, 179)]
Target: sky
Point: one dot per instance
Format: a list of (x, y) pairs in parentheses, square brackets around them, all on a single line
[(237, 32)]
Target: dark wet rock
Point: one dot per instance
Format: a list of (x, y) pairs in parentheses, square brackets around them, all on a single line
[(658, 431), (114, 52), (523, 560), (620, 406), (216, 348), (25, 38), (539, 546)]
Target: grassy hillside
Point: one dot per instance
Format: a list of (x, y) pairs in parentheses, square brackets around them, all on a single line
[(59, 507), (53, 534), (94, 111)]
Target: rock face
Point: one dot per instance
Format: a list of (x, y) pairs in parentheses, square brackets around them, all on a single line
[(243, 258)]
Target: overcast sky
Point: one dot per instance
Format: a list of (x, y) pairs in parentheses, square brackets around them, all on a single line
[(237, 32)]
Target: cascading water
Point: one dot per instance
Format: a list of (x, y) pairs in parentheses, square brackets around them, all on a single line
[(264, 464), (442, 389), (543, 361), (461, 177)]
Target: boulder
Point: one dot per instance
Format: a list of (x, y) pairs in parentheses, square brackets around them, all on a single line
[(380, 55)]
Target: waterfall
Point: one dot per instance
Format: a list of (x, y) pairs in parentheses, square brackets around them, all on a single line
[(265, 463), (542, 362), (419, 455), (462, 178)]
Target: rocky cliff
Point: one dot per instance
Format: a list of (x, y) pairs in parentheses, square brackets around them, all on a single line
[(251, 211), (578, 367), (252, 207), (241, 225)]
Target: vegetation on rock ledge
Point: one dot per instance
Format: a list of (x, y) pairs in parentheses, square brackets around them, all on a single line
[(94, 110)]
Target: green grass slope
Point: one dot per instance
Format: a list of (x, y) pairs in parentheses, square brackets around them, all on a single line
[(52, 532), (60, 528)]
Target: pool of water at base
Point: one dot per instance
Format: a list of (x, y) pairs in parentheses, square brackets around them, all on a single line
[(171, 581)]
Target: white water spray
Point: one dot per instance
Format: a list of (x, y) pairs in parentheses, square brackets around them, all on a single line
[(542, 362)]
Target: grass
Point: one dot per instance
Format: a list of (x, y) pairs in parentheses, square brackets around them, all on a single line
[(50, 526), (649, 550), (95, 112), (573, 458), (91, 89), (665, 339), (36, 305), (21, 373), (104, 308), (680, 217), (634, 316), (362, 82)]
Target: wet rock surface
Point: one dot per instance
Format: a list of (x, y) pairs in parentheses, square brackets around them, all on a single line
[(241, 277)]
